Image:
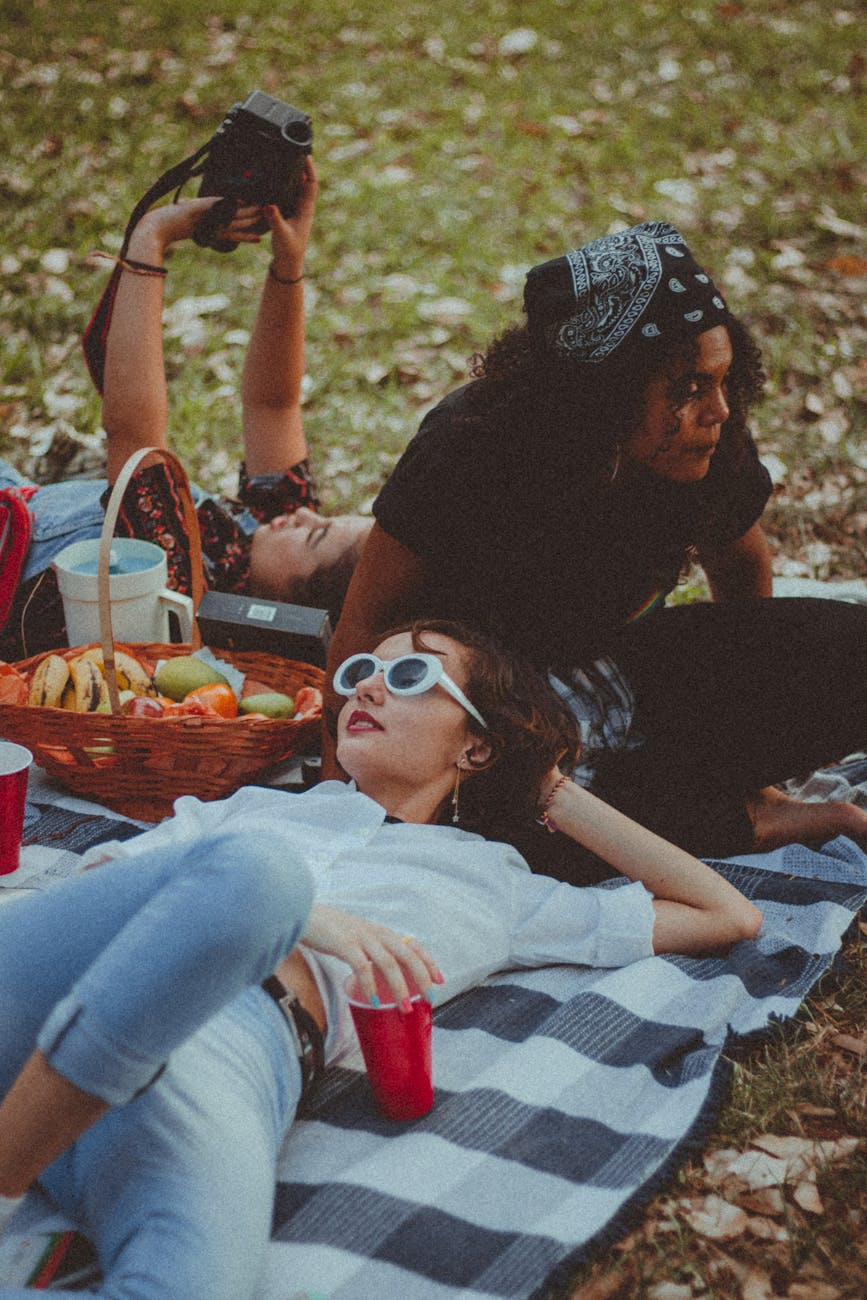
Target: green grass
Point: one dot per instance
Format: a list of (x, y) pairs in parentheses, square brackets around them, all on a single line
[(448, 158), (450, 163)]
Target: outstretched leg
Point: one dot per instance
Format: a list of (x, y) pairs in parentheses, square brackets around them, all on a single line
[(732, 699), (126, 962), (176, 1189)]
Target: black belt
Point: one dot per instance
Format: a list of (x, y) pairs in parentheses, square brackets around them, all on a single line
[(306, 1034)]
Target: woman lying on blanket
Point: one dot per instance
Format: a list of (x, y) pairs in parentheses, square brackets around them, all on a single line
[(154, 1102), (270, 541)]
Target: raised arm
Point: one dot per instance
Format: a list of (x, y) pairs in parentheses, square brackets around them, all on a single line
[(134, 407), (274, 367), (696, 910)]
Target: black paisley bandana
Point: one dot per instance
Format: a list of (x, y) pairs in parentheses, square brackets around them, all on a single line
[(641, 285)]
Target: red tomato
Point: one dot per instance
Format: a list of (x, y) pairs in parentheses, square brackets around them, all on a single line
[(13, 685), (143, 706), (189, 709)]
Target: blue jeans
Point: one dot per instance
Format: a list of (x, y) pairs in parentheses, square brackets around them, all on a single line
[(127, 967)]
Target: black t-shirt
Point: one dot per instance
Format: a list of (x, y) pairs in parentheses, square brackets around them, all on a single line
[(516, 542)]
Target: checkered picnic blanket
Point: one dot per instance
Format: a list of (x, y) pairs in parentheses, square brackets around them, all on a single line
[(564, 1096)]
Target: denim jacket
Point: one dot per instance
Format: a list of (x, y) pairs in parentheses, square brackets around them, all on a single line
[(63, 513)]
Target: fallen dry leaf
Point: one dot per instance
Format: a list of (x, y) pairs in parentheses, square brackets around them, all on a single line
[(784, 1146), (715, 1218), (766, 1229), (765, 1200), (848, 1043), (756, 1285), (806, 1195), (670, 1291), (824, 1150), (813, 1290), (848, 265), (752, 1169)]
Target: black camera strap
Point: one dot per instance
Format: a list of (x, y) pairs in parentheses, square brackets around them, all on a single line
[(96, 334)]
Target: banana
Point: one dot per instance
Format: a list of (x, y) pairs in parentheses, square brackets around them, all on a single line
[(131, 676), (89, 683), (48, 681)]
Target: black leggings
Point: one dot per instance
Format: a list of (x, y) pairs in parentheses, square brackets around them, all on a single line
[(731, 698)]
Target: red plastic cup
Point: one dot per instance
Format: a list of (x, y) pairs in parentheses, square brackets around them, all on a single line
[(396, 1046), (15, 763)]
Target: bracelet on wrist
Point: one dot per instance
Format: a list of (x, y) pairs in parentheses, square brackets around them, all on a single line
[(282, 279), (544, 818), (131, 264)]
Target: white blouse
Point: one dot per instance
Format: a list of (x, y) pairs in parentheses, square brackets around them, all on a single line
[(472, 902)]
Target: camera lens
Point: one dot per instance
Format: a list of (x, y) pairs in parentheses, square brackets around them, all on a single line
[(297, 132)]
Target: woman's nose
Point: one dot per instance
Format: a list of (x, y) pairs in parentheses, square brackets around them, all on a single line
[(716, 408), (372, 687)]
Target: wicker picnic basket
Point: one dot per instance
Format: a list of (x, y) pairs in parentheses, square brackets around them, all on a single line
[(139, 766)]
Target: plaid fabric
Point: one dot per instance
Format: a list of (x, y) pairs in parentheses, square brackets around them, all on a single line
[(602, 701), (563, 1097)]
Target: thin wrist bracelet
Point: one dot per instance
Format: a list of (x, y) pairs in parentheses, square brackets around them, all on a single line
[(281, 279), (130, 264), (544, 818)]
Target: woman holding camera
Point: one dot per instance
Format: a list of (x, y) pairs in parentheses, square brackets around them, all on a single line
[(148, 1079), (271, 540)]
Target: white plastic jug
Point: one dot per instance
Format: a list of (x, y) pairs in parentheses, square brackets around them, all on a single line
[(140, 599)]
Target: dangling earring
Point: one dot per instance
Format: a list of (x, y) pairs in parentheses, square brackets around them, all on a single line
[(615, 466), (456, 816)]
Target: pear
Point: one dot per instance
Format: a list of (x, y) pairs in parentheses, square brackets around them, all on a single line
[(177, 677), (274, 704)]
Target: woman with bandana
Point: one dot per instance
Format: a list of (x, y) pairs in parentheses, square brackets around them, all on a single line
[(555, 501)]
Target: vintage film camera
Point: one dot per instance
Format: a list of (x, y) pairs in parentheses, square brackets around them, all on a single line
[(257, 156)]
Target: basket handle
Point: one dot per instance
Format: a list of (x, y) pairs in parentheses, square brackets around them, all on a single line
[(112, 511)]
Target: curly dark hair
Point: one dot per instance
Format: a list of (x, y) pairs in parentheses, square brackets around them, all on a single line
[(529, 728), (587, 411)]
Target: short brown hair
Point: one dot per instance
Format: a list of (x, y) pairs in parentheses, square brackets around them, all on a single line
[(529, 728)]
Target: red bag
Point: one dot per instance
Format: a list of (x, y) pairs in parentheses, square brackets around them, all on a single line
[(16, 525)]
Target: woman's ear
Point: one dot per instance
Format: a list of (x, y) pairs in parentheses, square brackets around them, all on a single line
[(479, 756)]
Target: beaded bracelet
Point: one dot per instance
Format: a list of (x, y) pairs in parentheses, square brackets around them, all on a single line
[(544, 819), (280, 279)]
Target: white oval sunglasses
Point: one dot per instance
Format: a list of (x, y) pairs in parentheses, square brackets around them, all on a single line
[(407, 675)]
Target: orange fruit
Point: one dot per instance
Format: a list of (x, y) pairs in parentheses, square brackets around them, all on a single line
[(216, 697)]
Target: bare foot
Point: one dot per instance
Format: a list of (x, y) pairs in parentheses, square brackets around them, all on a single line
[(778, 819)]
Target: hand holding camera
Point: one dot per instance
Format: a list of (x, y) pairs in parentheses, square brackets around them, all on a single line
[(257, 157), (290, 235)]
